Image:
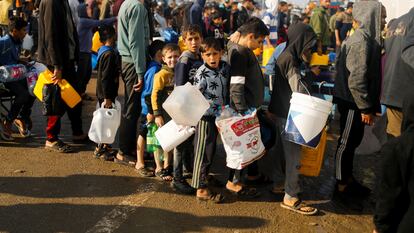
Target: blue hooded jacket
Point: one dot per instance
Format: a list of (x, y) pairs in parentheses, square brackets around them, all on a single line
[(153, 68)]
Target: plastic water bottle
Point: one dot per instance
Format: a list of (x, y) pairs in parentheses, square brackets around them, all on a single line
[(11, 73), (152, 142), (31, 78)]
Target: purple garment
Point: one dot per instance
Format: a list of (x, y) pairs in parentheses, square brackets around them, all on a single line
[(84, 29)]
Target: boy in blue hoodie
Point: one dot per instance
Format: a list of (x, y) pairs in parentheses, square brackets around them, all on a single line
[(147, 114), (188, 63), (107, 82)]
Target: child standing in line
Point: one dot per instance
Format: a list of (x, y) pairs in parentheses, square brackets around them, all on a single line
[(246, 90), (146, 113), (107, 82), (212, 80), (187, 66), (216, 28), (163, 86)]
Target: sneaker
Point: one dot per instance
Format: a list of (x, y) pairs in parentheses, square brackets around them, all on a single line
[(21, 126), (182, 186), (81, 139)]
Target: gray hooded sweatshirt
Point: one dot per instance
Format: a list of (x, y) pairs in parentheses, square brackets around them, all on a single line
[(359, 62)]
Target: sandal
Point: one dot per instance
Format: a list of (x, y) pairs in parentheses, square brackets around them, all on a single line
[(166, 175), (300, 207), (262, 180), (215, 198), (59, 146), (126, 160), (145, 172), (249, 193)]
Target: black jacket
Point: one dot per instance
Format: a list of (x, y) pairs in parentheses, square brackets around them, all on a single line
[(398, 78), (108, 67), (288, 78), (358, 76), (53, 47), (395, 189)]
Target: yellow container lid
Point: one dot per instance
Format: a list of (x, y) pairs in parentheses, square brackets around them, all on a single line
[(317, 60)]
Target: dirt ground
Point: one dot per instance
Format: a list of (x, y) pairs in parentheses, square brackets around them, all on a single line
[(45, 192)]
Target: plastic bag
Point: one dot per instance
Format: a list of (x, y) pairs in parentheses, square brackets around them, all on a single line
[(241, 137), (31, 78), (105, 123), (12, 73), (171, 135)]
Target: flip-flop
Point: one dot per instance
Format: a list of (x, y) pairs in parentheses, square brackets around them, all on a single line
[(59, 147), (249, 193), (145, 172), (215, 198), (298, 208), (126, 160)]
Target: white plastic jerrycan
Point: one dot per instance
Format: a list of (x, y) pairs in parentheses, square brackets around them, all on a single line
[(105, 123), (186, 105), (172, 135)]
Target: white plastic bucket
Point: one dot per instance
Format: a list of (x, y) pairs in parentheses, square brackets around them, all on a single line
[(171, 135), (105, 124), (306, 119)]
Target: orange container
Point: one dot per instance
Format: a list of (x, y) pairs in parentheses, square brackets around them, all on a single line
[(267, 54), (96, 43), (312, 158), (68, 93)]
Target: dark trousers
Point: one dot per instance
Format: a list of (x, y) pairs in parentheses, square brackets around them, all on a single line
[(75, 114), (84, 71), (23, 101), (204, 151), (183, 154), (352, 132), (130, 112)]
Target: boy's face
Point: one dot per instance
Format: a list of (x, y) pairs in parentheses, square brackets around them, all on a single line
[(171, 58), (218, 21), (158, 56), (254, 42), (19, 34), (192, 42), (212, 57)]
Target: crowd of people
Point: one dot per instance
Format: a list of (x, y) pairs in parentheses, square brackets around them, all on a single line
[(156, 46)]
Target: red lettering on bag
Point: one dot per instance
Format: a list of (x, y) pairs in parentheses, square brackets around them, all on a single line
[(245, 125)]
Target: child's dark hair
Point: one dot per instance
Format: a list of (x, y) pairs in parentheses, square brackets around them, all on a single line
[(254, 25), (216, 15), (106, 33), (191, 29), (170, 47), (210, 43), (17, 23), (156, 45)]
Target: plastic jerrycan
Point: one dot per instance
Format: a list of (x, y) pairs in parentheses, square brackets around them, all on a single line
[(68, 93), (105, 124), (186, 105)]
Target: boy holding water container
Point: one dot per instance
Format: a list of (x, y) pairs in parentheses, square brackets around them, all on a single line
[(107, 81)]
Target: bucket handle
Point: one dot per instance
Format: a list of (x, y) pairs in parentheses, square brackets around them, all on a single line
[(307, 90)]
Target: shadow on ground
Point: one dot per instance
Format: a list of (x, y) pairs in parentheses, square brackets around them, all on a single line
[(72, 186), (47, 218)]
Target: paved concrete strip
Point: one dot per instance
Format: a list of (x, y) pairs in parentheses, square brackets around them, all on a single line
[(114, 219)]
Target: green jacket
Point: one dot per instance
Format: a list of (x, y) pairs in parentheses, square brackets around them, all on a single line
[(133, 34), (320, 24)]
